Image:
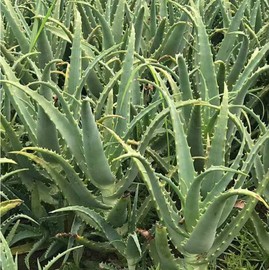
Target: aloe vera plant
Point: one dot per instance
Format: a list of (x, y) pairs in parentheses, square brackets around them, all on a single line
[(107, 96)]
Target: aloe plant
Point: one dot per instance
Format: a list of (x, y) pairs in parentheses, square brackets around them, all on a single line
[(110, 95)]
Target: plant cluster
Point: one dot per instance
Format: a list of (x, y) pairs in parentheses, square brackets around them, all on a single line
[(134, 134)]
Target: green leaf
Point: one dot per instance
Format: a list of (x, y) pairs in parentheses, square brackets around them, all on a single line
[(7, 261), (9, 205), (204, 233), (96, 160), (124, 95), (70, 184), (111, 234)]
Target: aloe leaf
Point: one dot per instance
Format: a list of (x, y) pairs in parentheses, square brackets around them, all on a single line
[(139, 28), (44, 124), (64, 123), (6, 223), (18, 67), (222, 184), (15, 25), (265, 156), (117, 216), (133, 250), (112, 235), (125, 182), (7, 261), (74, 71), (193, 201), (225, 12), (20, 101), (261, 232), (253, 63), (163, 207), (165, 257), (7, 175), (90, 67), (185, 85), (133, 220), (15, 144), (217, 149), (117, 25), (7, 160), (96, 160), (155, 188), (93, 81), (239, 64), (104, 94), (194, 137), (158, 38), (108, 40), (71, 185), (204, 56), (251, 159), (153, 17), (176, 37), (55, 259), (8, 205), (203, 235), (226, 236), (163, 8), (124, 95), (85, 21), (228, 42), (183, 155)]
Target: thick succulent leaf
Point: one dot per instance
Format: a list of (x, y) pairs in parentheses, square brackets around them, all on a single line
[(261, 232), (64, 123), (19, 100), (96, 160), (108, 39), (73, 75), (117, 25), (124, 95), (8, 205), (165, 258), (226, 236), (216, 155), (183, 155), (44, 124), (203, 236), (193, 205), (15, 25), (7, 261), (227, 43), (133, 250), (204, 57), (112, 235), (59, 256), (70, 184), (175, 39), (117, 216)]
